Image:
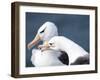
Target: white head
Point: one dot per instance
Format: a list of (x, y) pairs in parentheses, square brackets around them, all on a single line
[(55, 43), (46, 32)]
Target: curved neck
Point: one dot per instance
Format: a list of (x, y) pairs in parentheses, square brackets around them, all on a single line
[(72, 49)]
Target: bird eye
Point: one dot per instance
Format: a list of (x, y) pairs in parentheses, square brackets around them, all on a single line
[(43, 31), (51, 44)]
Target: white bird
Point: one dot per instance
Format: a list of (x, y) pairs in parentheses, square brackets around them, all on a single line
[(76, 54), (45, 33), (47, 57)]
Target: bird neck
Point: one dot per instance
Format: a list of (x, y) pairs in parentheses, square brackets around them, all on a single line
[(48, 36), (72, 49)]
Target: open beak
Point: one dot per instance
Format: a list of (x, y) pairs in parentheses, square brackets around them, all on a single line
[(34, 41)]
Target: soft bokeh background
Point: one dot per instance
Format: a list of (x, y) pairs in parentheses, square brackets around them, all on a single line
[(74, 27)]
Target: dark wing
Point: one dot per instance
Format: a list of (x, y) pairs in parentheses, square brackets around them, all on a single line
[(81, 60), (64, 58)]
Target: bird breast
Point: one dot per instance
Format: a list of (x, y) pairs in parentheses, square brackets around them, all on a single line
[(45, 58)]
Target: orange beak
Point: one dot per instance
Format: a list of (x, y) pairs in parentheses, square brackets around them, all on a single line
[(34, 41)]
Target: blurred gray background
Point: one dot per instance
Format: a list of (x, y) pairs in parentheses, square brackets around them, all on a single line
[(74, 27)]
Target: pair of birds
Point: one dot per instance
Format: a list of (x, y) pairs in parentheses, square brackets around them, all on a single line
[(56, 50)]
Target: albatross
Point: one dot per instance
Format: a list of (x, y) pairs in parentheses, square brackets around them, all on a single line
[(48, 57), (76, 54)]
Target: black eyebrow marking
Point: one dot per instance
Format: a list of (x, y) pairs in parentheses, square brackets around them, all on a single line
[(42, 30), (51, 43)]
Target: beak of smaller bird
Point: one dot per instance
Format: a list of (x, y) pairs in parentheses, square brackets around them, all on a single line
[(44, 47), (34, 41)]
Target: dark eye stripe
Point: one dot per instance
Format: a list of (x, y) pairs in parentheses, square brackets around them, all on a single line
[(42, 31), (51, 44)]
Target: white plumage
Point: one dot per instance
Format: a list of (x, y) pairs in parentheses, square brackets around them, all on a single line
[(47, 57), (73, 50)]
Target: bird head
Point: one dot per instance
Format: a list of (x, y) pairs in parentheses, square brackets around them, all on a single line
[(52, 44), (45, 33)]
